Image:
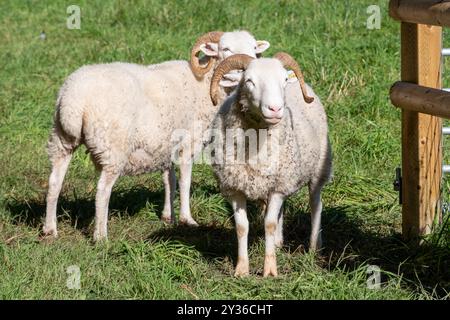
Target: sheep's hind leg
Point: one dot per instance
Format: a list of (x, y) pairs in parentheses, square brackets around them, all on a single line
[(315, 202), (239, 203), (170, 180), (59, 169), (185, 185), (271, 226), (104, 187)]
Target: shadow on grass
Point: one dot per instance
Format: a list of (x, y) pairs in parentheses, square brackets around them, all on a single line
[(348, 241), (347, 245), (213, 240), (81, 212)]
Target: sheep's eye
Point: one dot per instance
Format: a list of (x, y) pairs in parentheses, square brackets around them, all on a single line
[(249, 82), (227, 50)]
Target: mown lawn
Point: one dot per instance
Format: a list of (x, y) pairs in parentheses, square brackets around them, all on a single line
[(349, 66)]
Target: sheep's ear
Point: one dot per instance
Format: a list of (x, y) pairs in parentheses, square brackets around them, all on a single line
[(261, 46), (231, 79), (210, 49)]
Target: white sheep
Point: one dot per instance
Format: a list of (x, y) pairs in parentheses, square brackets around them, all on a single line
[(125, 114), (291, 150)]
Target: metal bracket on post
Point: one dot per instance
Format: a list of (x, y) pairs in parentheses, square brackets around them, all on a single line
[(398, 183), (445, 208)]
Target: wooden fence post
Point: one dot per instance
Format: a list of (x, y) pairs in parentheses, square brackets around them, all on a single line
[(421, 133)]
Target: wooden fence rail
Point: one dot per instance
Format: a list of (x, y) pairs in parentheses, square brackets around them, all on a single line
[(431, 12), (413, 97)]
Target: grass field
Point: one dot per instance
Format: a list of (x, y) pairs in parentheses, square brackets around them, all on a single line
[(350, 67)]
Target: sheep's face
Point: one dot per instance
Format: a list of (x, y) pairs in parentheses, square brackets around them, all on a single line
[(262, 89), (234, 43)]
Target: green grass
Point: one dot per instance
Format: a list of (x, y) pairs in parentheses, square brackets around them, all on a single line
[(349, 66)]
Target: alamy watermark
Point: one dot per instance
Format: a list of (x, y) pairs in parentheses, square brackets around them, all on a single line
[(74, 19), (374, 19), (73, 281), (232, 146), (374, 277)]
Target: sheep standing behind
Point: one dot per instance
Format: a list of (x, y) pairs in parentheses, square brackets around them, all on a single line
[(125, 115), (292, 149)]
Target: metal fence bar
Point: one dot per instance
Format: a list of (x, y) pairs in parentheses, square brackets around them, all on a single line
[(446, 130)]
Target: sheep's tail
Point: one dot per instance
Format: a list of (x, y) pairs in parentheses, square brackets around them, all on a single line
[(69, 114), (66, 134)]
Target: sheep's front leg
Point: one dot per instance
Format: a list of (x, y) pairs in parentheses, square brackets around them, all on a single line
[(104, 187), (271, 226), (279, 232), (315, 202), (170, 180), (185, 185), (239, 203)]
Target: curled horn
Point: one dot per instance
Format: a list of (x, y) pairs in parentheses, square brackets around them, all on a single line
[(289, 62), (234, 62), (196, 68)]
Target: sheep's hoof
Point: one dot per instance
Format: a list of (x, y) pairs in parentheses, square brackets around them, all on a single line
[(49, 231), (188, 222), (167, 219), (279, 243), (315, 246), (242, 269), (315, 250), (270, 266), (100, 237)]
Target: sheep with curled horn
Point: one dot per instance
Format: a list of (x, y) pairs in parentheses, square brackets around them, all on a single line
[(127, 116), (268, 143)]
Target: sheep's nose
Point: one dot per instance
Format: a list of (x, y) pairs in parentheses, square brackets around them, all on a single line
[(274, 108)]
